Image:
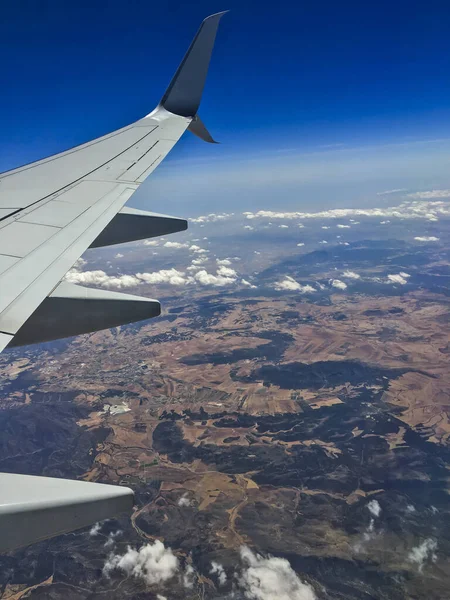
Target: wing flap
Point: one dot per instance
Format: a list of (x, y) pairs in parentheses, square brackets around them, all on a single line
[(131, 224), (73, 310), (36, 508)]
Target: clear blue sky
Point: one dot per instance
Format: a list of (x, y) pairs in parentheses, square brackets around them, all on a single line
[(285, 75)]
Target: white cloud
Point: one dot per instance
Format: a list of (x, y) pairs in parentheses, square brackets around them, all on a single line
[(300, 225), (167, 276), (153, 563), (374, 508), (217, 569), (176, 245), (189, 577), (284, 226), (430, 194), (160, 597), (289, 284), (340, 226), (102, 279), (325, 227), (397, 279), (425, 551), (151, 243), (205, 278), (425, 238), (95, 529), (323, 242), (337, 283), (211, 218), (271, 578), (119, 255), (184, 500), (226, 272), (249, 227), (410, 508), (226, 262), (111, 539), (389, 192), (351, 275), (248, 284), (420, 206), (405, 275), (301, 244), (199, 261)]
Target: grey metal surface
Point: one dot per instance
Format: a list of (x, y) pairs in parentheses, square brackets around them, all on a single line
[(197, 127), (36, 508), (185, 91), (133, 224), (72, 310)]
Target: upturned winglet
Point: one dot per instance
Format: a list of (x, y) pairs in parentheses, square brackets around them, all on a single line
[(184, 93)]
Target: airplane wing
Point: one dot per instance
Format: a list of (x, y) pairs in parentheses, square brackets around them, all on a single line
[(51, 211)]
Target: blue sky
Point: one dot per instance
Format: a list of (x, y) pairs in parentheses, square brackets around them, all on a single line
[(325, 95)]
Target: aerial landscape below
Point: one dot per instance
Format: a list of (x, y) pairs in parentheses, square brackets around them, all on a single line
[(283, 422)]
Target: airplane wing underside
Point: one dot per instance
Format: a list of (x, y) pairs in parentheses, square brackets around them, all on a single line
[(51, 211)]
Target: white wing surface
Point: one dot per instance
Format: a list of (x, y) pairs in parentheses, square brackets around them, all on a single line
[(51, 211)]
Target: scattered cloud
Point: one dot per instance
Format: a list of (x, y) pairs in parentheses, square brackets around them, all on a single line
[(248, 284), (425, 238), (374, 508), (226, 262), (176, 245), (249, 227), (167, 276), (430, 194), (271, 578), (289, 284), (196, 249), (301, 244), (211, 218), (189, 577), (420, 206), (325, 227), (351, 275), (389, 192), (226, 272), (217, 569), (95, 529), (205, 278), (111, 539), (151, 243), (154, 563), (340, 226), (119, 255), (323, 242), (423, 552), (100, 278), (283, 226), (400, 278), (184, 500), (337, 283)]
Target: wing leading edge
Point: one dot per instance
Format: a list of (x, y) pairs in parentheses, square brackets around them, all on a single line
[(51, 211)]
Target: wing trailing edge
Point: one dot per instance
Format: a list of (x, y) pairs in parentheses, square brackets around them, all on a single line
[(131, 224), (72, 310), (36, 508)]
